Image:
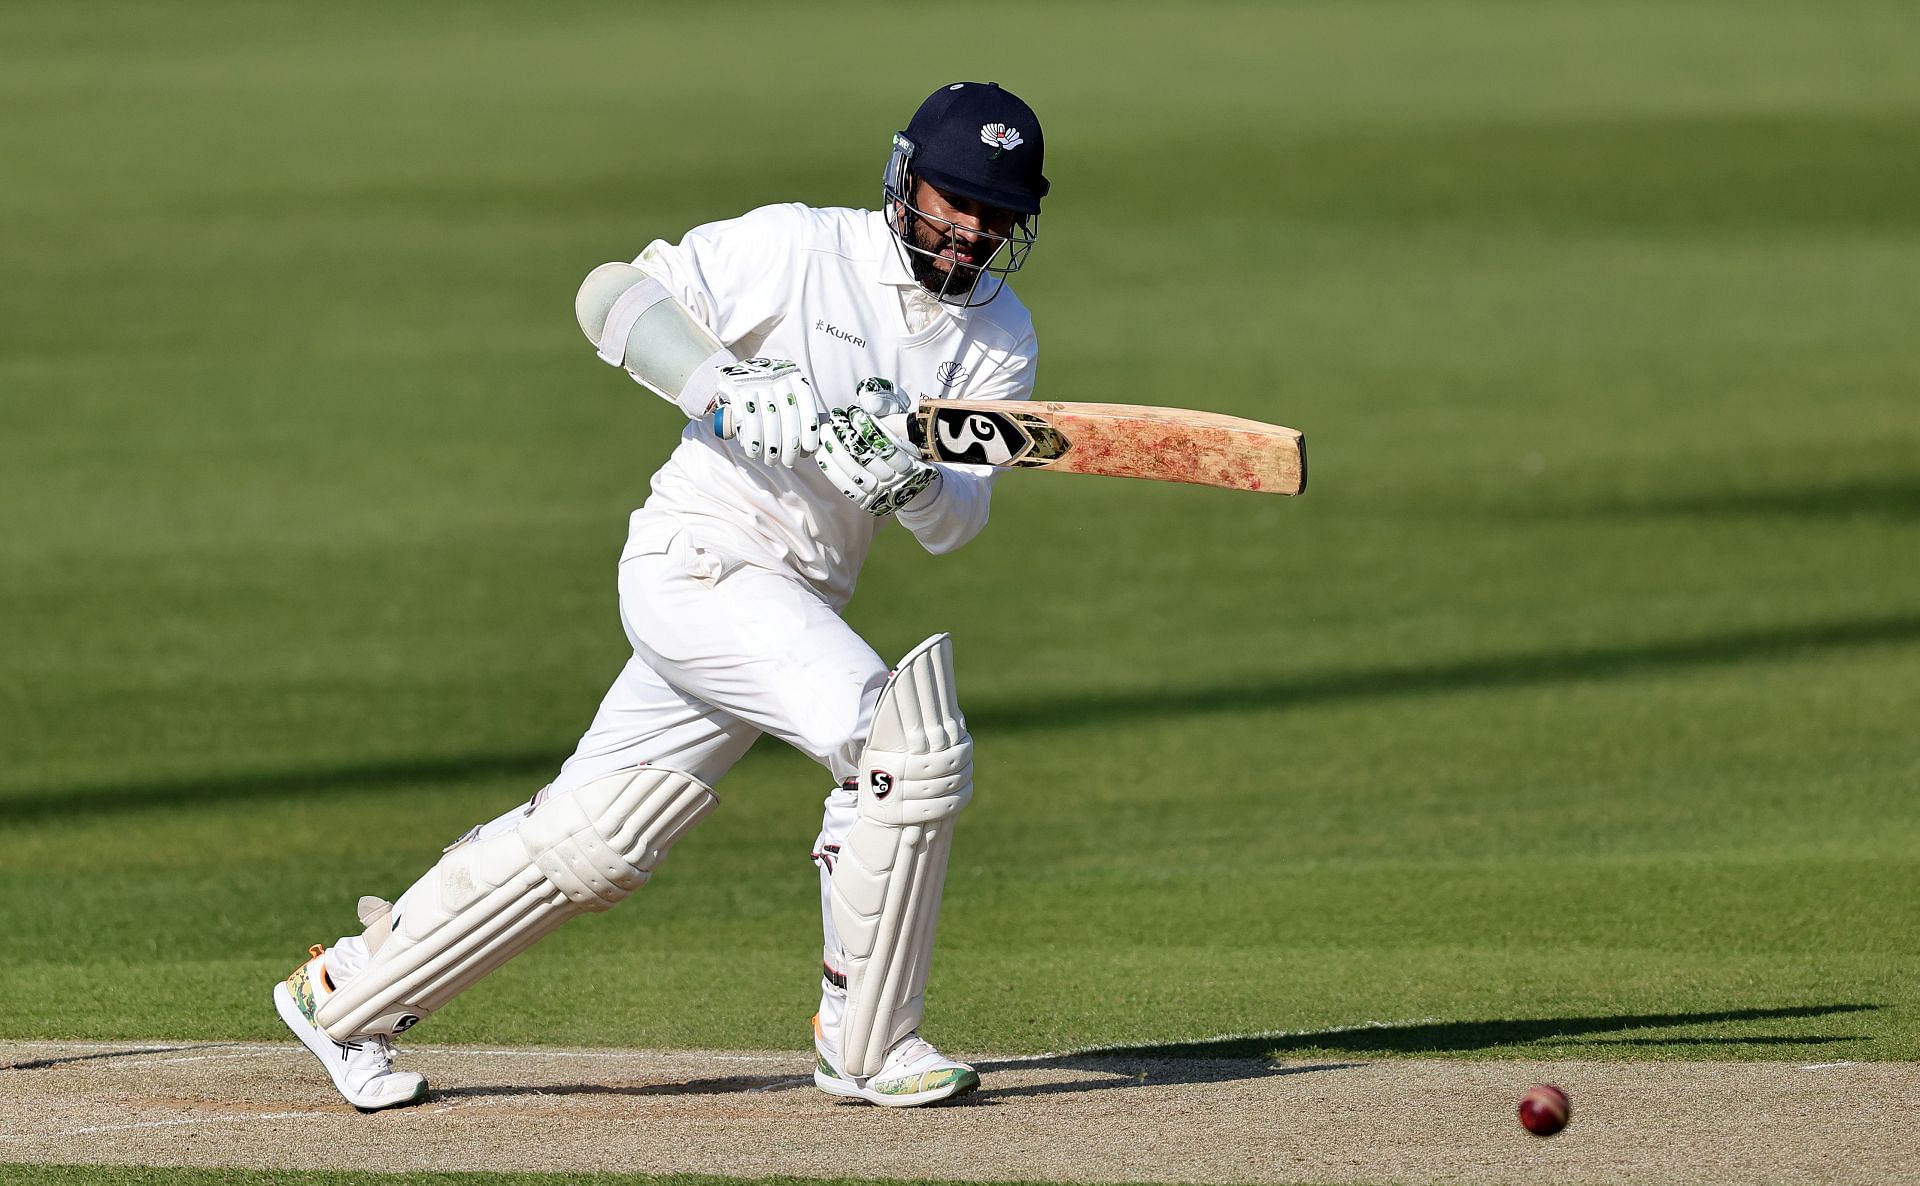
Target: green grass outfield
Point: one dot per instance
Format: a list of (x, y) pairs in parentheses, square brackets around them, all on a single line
[(1576, 709)]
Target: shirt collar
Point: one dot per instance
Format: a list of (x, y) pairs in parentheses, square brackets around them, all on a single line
[(890, 265)]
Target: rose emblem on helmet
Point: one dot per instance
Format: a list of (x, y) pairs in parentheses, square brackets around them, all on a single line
[(999, 137)]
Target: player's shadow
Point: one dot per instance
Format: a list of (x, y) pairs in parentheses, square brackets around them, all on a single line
[(1460, 1037), (1253, 1056), (723, 1085), (1126, 1067), (1099, 1071)]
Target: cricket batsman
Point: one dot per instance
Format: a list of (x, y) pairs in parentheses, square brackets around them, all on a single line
[(787, 336)]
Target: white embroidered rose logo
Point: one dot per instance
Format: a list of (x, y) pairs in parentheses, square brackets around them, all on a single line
[(999, 137)]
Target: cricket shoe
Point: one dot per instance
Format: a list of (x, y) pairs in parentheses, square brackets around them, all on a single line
[(362, 1069), (914, 1073)]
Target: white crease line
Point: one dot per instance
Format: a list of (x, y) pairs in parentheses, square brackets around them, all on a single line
[(99, 1128), (262, 1049), (626, 1055), (1825, 1066), (80, 1049), (77, 1045), (58, 1062), (163, 1062)]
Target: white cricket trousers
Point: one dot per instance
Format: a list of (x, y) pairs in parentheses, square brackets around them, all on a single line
[(723, 651)]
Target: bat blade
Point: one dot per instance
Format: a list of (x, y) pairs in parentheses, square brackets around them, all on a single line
[(1115, 440)]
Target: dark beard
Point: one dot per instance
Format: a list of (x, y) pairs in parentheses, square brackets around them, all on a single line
[(926, 268)]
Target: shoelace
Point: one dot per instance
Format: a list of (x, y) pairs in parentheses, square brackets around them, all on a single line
[(911, 1049), (382, 1047)]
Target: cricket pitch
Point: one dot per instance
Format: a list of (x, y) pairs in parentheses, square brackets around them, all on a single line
[(1068, 1118)]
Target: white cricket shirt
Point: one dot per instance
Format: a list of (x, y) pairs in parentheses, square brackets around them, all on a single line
[(827, 289)]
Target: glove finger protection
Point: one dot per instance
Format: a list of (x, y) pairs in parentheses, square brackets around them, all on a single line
[(800, 415), (868, 465), (771, 409), (880, 398)]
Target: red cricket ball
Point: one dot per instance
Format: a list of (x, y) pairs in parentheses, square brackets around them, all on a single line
[(1544, 1110)]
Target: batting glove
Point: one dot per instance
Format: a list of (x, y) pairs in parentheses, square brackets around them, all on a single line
[(861, 456), (768, 405)]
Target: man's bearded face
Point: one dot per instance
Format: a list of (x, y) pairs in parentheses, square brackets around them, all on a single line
[(957, 238)]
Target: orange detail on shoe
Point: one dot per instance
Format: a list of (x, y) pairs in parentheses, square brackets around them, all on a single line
[(315, 952)]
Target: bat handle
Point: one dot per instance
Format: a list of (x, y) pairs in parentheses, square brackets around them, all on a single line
[(903, 426), (910, 426)]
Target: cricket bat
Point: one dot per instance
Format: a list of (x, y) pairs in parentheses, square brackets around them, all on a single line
[(1115, 440), (1112, 440)]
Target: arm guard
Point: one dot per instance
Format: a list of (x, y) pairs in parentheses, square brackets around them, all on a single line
[(634, 323)]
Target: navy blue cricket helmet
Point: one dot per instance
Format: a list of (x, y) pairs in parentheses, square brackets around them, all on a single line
[(977, 141)]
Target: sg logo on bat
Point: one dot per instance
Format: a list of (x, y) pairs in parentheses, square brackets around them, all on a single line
[(979, 438)]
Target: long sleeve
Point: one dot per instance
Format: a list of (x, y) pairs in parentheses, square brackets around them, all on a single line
[(956, 506), (736, 277)]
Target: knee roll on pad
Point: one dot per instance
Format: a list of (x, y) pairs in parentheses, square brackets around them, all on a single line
[(487, 900), (916, 773)]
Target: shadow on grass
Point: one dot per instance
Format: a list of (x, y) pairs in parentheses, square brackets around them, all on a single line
[(1534, 669), (1827, 1040), (1883, 497), (1459, 1037), (534, 766)]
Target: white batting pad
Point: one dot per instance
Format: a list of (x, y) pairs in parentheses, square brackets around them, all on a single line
[(916, 773), (489, 899)]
